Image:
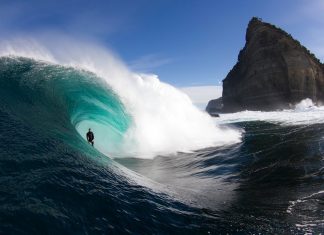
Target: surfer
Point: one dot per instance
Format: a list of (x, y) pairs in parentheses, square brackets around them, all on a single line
[(90, 137)]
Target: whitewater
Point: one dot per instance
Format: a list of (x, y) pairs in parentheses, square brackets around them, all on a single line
[(159, 166), (304, 113)]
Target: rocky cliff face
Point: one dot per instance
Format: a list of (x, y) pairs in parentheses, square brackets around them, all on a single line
[(215, 106), (273, 71)]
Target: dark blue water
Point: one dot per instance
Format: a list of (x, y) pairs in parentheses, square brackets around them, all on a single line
[(52, 181)]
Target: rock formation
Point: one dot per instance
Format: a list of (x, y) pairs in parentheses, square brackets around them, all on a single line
[(273, 71), (215, 106)]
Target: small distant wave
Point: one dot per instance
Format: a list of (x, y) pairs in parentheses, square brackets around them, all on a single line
[(307, 208), (313, 196)]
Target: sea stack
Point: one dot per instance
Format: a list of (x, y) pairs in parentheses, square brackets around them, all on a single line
[(274, 71), (215, 106)]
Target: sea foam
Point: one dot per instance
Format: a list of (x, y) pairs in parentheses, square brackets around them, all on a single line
[(304, 113)]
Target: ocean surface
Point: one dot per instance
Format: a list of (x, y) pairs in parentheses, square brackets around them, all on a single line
[(153, 169)]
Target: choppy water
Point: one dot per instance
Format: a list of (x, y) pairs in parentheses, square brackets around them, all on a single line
[(52, 181)]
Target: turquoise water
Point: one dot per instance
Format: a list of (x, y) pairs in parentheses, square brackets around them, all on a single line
[(61, 100), (52, 181)]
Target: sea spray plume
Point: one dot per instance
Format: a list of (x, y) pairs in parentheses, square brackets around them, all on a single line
[(25, 48), (164, 120), (305, 104)]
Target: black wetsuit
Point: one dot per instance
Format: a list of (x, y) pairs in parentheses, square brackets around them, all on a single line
[(90, 137)]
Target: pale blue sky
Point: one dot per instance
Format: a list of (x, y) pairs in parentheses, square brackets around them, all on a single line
[(186, 43)]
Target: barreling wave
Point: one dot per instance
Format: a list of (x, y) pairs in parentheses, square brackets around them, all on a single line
[(273, 173), (46, 175), (131, 114), (56, 99)]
